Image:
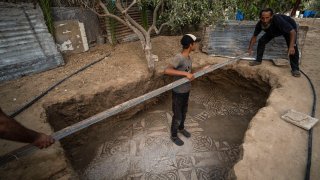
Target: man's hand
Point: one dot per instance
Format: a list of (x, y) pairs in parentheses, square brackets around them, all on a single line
[(190, 76), (252, 42), (43, 141), (291, 51)]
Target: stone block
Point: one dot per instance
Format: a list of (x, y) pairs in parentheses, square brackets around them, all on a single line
[(70, 36), (299, 119)]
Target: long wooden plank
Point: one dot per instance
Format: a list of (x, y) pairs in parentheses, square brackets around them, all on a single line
[(28, 149)]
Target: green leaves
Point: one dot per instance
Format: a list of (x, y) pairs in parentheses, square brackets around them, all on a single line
[(194, 12), (312, 5), (150, 3), (252, 8), (46, 9)]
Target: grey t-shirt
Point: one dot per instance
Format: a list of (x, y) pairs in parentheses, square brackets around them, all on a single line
[(182, 63)]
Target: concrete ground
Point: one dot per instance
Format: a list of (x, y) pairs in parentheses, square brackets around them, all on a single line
[(311, 66)]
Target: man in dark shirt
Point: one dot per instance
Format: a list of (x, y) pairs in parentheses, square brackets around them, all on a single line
[(273, 26)]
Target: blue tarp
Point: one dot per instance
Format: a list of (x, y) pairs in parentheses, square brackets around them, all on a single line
[(239, 15), (309, 13)]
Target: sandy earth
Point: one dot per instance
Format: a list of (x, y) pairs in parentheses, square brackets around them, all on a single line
[(272, 148), (310, 64)]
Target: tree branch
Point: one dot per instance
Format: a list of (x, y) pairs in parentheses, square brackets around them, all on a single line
[(104, 7), (162, 25), (108, 14), (139, 34), (128, 17), (127, 9), (155, 14)]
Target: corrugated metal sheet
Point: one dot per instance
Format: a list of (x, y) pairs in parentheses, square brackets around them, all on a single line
[(232, 39), (26, 46)]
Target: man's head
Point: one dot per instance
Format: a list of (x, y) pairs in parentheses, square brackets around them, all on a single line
[(188, 41), (266, 17)]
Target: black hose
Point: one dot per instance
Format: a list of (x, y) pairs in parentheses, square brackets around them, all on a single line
[(35, 99), (313, 111)]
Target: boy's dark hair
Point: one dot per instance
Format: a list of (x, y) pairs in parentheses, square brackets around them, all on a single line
[(188, 39), (266, 10)]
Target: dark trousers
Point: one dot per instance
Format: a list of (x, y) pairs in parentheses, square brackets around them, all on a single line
[(179, 108), (294, 59)]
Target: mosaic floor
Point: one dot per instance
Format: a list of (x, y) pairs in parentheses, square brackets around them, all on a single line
[(143, 149)]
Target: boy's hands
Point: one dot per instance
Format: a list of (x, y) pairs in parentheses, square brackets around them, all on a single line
[(190, 76)]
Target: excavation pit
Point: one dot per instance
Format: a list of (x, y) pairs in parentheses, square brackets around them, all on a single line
[(136, 144)]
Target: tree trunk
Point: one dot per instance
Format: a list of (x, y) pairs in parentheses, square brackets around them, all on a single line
[(295, 8), (142, 33), (150, 60), (148, 53), (108, 29)]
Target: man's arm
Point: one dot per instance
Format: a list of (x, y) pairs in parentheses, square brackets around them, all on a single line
[(10, 129), (293, 36), (173, 72), (252, 42), (253, 39)]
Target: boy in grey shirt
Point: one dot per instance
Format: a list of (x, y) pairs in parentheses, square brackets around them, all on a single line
[(180, 67)]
